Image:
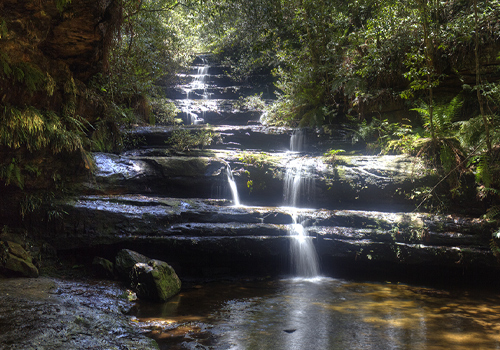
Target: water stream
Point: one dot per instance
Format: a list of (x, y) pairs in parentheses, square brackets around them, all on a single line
[(308, 311), (196, 88), (232, 185), (299, 184), (324, 313)]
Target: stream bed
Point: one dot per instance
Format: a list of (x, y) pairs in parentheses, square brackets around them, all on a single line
[(323, 313)]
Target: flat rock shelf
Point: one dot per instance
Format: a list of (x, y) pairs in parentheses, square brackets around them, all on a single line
[(354, 211)]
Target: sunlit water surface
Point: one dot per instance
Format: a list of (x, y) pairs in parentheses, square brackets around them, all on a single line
[(323, 313)]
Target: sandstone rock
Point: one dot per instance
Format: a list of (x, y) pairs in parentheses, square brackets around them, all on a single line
[(125, 261), (103, 267), (17, 250), (155, 281), (16, 261)]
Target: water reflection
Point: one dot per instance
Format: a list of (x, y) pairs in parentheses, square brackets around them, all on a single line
[(324, 313)]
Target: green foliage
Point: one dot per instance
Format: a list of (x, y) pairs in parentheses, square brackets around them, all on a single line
[(384, 136), (106, 137), (61, 4), (256, 160), (3, 29), (186, 140), (151, 46), (11, 173), (33, 131), (253, 103), (26, 73), (165, 111), (37, 130), (444, 116), (331, 155)]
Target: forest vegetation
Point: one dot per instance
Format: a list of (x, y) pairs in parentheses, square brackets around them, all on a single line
[(418, 77)]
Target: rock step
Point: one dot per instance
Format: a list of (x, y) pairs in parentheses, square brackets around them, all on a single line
[(209, 70), (223, 80), (354, 182), (195, 233), (160, 217), (215, 92), (217, 118), (249, 137)]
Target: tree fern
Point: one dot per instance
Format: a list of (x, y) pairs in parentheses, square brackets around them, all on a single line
[(443, 116)]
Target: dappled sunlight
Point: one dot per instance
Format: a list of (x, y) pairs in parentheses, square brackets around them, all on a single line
[(325, 313)]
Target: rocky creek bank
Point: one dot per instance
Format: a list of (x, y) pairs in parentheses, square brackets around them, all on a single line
[(56, 313)]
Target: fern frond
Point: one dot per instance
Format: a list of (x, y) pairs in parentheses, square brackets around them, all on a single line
[(6, 70), (492, 213), (483, 174)]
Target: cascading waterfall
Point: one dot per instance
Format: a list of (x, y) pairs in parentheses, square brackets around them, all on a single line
[(299, 184), (232, 185), (198, 83), (297, 140)]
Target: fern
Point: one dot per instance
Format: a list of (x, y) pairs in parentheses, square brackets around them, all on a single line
[(443, 116), (447, 157), (5, 62), (33, 76), (35, 130), (26, 73), (483, 174), (61, 4), (11, 173), (493, 213), (3, 29)]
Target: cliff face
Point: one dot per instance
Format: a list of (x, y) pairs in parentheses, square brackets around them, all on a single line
[(59, 43), (49, 51)]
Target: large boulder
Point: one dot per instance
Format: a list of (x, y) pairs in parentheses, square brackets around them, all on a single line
[(14, 260), (125, 261), (103, 267), (155, 281)]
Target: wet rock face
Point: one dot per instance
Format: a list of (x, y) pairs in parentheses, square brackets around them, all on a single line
[(354, 182), (73, 34), (44, 313), (155, 281), (212, 239), (66, 43)]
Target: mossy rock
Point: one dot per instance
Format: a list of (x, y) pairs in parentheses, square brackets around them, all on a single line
[(14, 260), (125, 261), (155, 281)]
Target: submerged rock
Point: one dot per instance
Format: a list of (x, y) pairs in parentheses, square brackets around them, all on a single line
[(155, 281)]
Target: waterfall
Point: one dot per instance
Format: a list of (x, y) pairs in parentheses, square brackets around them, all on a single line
[(298, 140), (232, 185), (304, 257), (198, 83), (299, 183)]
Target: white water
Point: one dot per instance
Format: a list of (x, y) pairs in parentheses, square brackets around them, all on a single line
[(198, 83), (299, 184), (232, 185), (298, 140)]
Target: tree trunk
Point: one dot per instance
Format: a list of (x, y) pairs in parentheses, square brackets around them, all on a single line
[(478, 79), (429, 54)]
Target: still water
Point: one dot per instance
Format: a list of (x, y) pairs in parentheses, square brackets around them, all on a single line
[(323, 313)]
